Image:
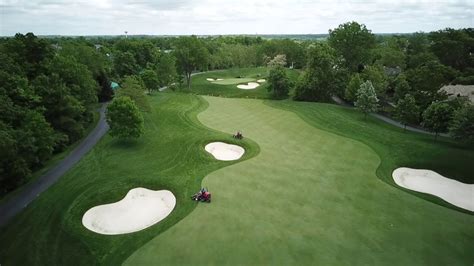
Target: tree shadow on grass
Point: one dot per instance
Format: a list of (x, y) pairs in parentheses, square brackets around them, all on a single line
[(127, 144)]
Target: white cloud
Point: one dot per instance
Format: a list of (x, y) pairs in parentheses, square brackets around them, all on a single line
[(85, 17)]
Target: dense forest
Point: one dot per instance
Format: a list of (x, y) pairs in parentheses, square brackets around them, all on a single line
[(51, 87)]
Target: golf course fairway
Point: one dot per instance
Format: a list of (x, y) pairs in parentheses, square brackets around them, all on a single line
[(309, 197)]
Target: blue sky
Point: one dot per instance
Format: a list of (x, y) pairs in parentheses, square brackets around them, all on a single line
[(111, 17)]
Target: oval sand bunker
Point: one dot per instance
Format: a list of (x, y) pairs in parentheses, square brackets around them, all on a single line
[(225, 152), (141, 208), (249, 86), (427, 181)]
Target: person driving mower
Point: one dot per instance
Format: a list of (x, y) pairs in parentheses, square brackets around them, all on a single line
[(203, 195), (238, 135)]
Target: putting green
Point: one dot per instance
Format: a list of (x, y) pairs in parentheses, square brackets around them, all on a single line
[(232, 81), (308, 197)]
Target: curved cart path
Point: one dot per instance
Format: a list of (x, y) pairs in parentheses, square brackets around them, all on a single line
[(17, 203), (387, 119)]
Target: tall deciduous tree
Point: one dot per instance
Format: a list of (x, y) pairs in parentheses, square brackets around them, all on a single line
[(124, 118), (367, 100), (132, 87), (279, 83), (377, 76), (166, 70), (352, 88), (150, 80), (406, 110), (352, 41), (462, 125), (317, 83), (191, 54), (437, 117)]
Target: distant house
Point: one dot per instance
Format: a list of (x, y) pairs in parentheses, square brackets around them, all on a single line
[(56, 46), (97, 46), (392, 71), (459, 91), (114, 85)]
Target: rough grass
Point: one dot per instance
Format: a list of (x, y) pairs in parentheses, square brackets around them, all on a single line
[(312, 196), (169, 156)]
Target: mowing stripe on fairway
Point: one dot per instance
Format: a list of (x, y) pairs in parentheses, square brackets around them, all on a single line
[(308, 197)]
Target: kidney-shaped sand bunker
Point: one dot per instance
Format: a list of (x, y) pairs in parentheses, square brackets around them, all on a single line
[(141, 208), (427, 181), (225, 152)]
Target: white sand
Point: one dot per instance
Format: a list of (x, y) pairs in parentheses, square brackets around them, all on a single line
[(462, 90), (427, 181), (209, 79), (219, 79), (261, 80), (249, 86), (225, 152), (141, 208)]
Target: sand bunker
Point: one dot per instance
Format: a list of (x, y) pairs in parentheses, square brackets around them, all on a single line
[(211, 79), (426, 181), (225, 152), (141, 208), (261, 80), (249, 86)]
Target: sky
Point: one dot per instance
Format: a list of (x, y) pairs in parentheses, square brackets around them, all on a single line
[(210, 17)]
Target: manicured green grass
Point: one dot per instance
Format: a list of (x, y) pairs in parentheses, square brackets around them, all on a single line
[(396, 147), (169, 156), (228, 87), (311, 197)]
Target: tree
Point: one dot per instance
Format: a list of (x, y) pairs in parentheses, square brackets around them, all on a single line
[(279, 83), (367, 100), (352, 41), (278, 60), (406, 110), (150, 80), (132, 87), (453, 47), (124, 118), (352, 88), (426, 81), (125, 64), (317, 83), (462, 125), (401, 87), (376, 75), (166, 70), (106, 93), (437, 117), (191, 54)]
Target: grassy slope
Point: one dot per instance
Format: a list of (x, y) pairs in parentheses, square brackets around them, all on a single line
[(309, 197), (169, 156), (396, 147), (200, 85)]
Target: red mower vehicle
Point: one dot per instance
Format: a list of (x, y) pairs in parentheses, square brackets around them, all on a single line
[(238, 135), (203, 195)]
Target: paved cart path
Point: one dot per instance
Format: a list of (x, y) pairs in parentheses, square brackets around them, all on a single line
[(17, 203)]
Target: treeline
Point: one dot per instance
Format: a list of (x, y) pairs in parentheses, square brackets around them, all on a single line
[(400, 75), (47, 99)]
